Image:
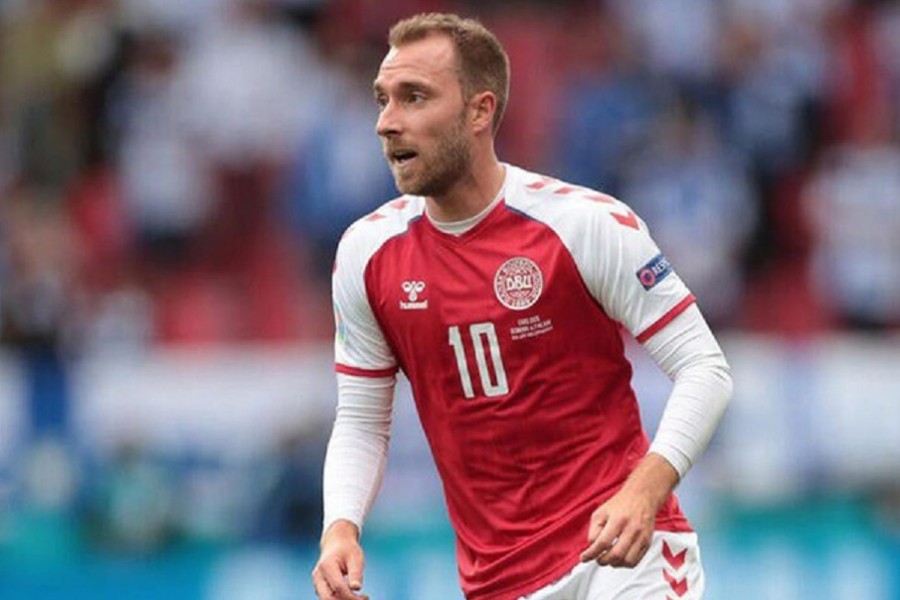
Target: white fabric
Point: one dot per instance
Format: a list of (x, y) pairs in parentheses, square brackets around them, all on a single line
[(359, 341), (649, 580), (687, 352), (608, 242), (357, 451)]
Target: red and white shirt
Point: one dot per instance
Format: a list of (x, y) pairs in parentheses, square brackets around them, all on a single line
[(510, 337)]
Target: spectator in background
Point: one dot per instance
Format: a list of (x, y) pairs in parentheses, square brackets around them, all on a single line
[(773, 62), (41, 262), (337, 173), (887, 46), (130, 502), (245, 74), (35, 305), (290, 489), (851, 198), (696, 197), (610, 105), (246, 103), (676, 40), (49, 53), (774, 66), (161, 174), (852, 205), (531, 35)]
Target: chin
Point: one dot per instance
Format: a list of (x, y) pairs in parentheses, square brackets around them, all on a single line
[(407, 186), (404, 188)]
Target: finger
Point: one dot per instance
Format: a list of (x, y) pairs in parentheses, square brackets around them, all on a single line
[(323, 590), (333, 575), (355, 564), (637, 552), (603, 542), (622, 545)]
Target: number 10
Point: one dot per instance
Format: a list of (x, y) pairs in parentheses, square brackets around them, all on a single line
[(482, 334)]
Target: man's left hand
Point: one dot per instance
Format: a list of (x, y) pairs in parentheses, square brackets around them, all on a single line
[(621, 528)]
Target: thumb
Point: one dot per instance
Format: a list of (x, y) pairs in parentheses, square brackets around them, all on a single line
[(355, 564)]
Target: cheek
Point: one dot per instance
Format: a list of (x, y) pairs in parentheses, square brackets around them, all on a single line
[(448, 131), (433, 126), (442, 121)]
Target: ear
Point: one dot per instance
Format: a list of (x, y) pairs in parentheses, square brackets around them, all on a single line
[(482, 107)]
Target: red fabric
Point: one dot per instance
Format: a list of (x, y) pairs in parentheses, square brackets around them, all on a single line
[(346, 370), (522, 470), (666, 319)]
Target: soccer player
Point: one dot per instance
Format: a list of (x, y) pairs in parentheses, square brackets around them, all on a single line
[(501, 295)]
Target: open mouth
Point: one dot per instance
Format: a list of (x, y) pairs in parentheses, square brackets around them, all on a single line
[(402, 157)]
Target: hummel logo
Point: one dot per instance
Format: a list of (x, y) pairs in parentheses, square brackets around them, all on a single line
[(412, 289)]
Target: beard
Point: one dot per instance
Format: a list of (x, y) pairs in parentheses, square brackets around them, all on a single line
[(440, 169)]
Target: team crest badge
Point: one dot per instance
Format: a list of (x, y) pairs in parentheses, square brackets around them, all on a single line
[(518, 283)]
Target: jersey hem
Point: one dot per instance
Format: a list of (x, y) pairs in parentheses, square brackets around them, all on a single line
[(348, 370), (665, 319), (538, 583)]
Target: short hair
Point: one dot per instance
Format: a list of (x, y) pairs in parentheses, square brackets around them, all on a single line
[(483, 63)]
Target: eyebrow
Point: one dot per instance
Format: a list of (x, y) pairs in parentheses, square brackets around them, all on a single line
[(405, 86)]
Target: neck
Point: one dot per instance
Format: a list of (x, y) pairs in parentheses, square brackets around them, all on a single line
[(470, 195)]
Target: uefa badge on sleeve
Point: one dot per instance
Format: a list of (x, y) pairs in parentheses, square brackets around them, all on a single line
[(654, 271)]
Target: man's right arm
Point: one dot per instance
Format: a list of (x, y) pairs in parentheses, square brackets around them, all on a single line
[(354, 465)]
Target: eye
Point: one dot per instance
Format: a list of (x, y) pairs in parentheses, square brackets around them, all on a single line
[(381, 101), (416, 97)]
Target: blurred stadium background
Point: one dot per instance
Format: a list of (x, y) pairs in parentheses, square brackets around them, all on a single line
[(173, 179)]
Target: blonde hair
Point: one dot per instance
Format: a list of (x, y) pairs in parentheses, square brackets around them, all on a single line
[(483, 63)]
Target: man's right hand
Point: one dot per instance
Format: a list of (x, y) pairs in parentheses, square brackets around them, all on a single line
[(338, 574)]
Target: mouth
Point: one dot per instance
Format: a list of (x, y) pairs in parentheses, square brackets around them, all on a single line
[(401, 157)]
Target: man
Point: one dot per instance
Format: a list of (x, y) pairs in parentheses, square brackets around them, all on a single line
[(501, 295)]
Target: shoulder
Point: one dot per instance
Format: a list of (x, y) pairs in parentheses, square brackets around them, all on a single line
[(568, 207), (369, 233)]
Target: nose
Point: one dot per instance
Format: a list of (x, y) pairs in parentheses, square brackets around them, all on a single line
[(388, 123)]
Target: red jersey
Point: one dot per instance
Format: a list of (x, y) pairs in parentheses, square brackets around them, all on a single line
[(510, 337)]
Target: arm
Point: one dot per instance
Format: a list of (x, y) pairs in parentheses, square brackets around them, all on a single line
[(354, 465), (689, 354)]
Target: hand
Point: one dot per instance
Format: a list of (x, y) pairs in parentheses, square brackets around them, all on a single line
[(621, 528), (338, 574)]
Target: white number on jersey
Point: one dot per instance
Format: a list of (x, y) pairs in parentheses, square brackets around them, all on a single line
[(482, 334)]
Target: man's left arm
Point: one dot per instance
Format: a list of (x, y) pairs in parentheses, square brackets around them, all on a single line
[(686, 350)]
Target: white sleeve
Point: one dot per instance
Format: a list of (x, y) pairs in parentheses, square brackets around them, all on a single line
[(360, 347), (627, 273), (687, 352), (357, 451)]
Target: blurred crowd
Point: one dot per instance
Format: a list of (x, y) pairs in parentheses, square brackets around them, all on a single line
[(178, 173)]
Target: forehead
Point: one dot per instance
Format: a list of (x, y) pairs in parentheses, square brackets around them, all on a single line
[(431, 60)]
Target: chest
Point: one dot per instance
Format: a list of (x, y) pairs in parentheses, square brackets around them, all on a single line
[(424, 284), (508, 296)]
